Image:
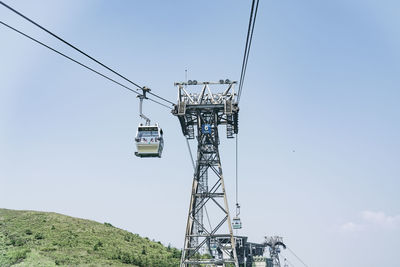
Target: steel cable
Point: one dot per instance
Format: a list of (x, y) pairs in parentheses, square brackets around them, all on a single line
[(290, 264), (294, 254), (247, 43), (80, 51), (249, 38), (77, 62)]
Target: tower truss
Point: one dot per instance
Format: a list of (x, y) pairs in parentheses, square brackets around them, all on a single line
[(200, 114), (274, 243)]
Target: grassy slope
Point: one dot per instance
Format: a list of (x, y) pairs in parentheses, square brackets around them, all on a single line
[(29, 238)]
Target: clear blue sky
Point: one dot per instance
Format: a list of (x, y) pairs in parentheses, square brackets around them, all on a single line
[(319, 119)]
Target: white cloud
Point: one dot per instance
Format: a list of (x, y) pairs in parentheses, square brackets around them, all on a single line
[(372, 219), (381, 219), (351, 227)]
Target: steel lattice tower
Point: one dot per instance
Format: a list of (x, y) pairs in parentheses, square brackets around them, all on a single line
[(274, 243), (203, 112)]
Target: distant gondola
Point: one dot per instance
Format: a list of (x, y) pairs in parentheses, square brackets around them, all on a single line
[(237, 223)]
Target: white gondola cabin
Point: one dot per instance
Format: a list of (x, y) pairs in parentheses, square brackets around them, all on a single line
[(237, 223), (213, 244), (149, 141)]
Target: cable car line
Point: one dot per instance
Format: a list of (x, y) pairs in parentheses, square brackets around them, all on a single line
[(246, 46), (155, 101), (237, 175), (194, 169), (208, 218), (236, 222), (77, 62), (80, 51), (191, 155), (166, 100), (67, 43), (294, 254), (249, 38), (290, 264)]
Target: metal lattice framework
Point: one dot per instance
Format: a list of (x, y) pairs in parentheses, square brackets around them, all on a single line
[(203, 112), (274, 243)]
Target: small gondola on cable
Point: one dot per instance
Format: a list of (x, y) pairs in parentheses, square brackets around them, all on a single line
[(149, 138), (236, 222)]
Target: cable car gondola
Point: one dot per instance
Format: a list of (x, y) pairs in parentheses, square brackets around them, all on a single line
[(236, 223), (149, 138), (149, 141)]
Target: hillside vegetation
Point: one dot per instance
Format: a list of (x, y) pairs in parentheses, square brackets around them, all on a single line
[(30, 238)]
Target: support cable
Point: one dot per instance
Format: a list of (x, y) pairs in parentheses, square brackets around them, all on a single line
[(290, 264), (162, 98), (79, 63), (250, 31), (247, 43), (155, 101), (194, 169), (80, 51), (208, 218), (294, 254), (190, 153), (237, 177)]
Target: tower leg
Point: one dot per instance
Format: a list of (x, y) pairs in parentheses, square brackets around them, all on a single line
[(219, 243)]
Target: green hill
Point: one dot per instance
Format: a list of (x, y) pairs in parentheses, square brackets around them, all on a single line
[(30, 238)]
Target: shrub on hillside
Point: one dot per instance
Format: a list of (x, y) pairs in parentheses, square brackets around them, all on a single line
[(28, 231), (15, 241), (39, 236), (97, 246), (108, 224), (16, 256)]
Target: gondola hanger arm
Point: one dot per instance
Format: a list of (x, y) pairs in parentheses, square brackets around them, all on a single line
[(141, 97)]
